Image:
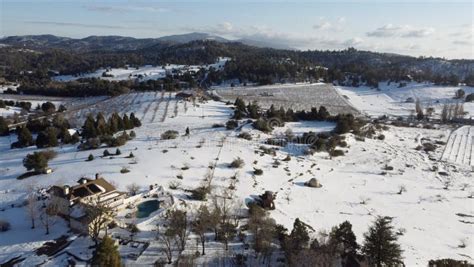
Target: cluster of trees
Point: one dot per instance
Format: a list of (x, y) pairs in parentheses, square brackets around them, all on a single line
[(95, 86), (79, 88), (49, 133), (38, 161), (99, 130), (380, 247), (265, 237), (452, 111), (99, 126), (21, 104), (277, 117)]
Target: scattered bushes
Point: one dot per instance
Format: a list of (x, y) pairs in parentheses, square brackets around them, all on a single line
[(237, 163), (200, 193), (257, 171), (4, 226), (124, 170), (336, 153), (232, 124), (429, 147), (449, 263), (262, 125), (170, 134), (245, 135), (174, 185)]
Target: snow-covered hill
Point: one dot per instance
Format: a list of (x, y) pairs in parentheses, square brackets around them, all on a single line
[(355, 187)]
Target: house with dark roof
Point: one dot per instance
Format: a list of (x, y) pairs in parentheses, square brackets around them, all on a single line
[(74, 200)]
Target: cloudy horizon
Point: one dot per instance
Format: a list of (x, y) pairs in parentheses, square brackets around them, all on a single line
[(418, 29)]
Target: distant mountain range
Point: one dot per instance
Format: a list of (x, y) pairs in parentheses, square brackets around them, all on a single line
[(114, 43), (198, 48)]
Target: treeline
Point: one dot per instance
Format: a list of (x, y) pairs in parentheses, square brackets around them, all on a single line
[(95, 131), (49, 133), (248, 64), (97, 87), (277, 117)]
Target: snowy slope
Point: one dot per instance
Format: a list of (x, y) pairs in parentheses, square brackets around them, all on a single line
[(391, 99), (353, 188)]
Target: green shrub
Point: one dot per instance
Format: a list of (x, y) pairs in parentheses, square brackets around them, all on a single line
[(237, 163), (170, 134), (336, 153), (245, 135)]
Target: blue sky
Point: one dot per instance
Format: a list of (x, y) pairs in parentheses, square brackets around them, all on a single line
[(427, 28)]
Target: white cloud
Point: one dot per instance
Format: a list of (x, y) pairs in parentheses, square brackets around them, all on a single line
[(125, 9), (463, 42), (405, 31), (333, 25), (418, 33), (322, 25), (353, 42), (81, 25), (268, 35)]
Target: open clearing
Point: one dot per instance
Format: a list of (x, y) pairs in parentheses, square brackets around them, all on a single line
[(355, 187), (295, 96)]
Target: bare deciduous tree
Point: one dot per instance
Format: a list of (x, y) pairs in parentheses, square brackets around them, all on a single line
[(48, 214), (178, 225), (32, 204), (133, 189), (98, 214), (167, 238), (201, 224), (225, 206)]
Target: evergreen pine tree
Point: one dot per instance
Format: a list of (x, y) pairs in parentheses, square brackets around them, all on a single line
[(380, 244), (101, 124), (90, 158), (323, 113), (24, 137), (135, 121), (52, 134), (3, 127), (126, 122), (343, 236), (299, 236), (89, 130), (118, 152), (106, 254), (65, 136), (240, 104)]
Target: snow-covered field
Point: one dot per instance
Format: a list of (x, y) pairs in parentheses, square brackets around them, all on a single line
[(355, 187), (391, 99), (302, 96), (459, 148), (142, 73)]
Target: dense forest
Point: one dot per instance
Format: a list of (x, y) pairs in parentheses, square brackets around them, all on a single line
[(33, 69)]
